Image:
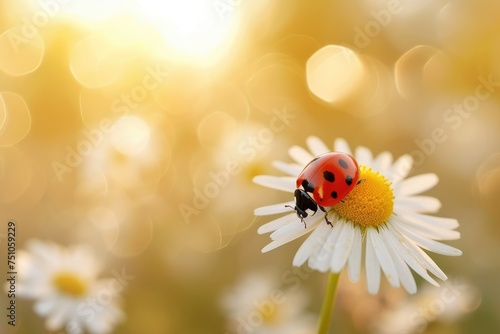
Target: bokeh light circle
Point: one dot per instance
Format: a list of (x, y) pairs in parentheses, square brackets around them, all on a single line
[(420, 70), (334, 73), (488, 183), (15, 118), (22, 50), (95, 62), (130, 135), (344, 79)]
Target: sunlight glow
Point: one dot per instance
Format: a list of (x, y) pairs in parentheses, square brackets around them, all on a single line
[(194, 30), (50, 10)]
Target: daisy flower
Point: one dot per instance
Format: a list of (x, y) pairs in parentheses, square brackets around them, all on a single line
[(256, 304), (64, 284), (383, 217), (445, 304)]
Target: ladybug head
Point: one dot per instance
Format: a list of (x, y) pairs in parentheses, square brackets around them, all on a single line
[(303, 202)]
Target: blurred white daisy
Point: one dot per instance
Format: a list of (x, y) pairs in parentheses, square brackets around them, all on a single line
[(383, 215), (63, 282), (129, 156), (445, 304), (258, 305)]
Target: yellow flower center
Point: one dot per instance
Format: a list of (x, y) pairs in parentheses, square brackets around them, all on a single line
[(69, 284), (370, 203), (269, 314)]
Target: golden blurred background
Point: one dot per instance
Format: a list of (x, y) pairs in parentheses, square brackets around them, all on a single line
[(136, 127)]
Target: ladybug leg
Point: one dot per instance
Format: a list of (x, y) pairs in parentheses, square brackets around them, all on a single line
[(326, 215), (300, 213)]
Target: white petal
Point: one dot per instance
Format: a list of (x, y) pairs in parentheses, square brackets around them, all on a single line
[(441, 222), (372, 268), (382, 162), (405, 276), (103, 323), (295, 228), (83, 261), (319, 241), (363, 156), (343, 247), (277, 223), (56, 320), (404, 273), (274, 208), (44, 307), (424, 259), (58, 317), (280, 242), (300, 155), (427, 230), (384, 258), (341, 145), (313, 243), (321, 260), (47, 252), (400, 169), (416, 184), (273, 245), (398, 243), (354, 260), (284, 183), (429, 244), (316, 146), (416, 204), (79, 327), (291, 169)]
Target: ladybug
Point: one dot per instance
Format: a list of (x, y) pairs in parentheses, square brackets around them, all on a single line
[(325, 181)]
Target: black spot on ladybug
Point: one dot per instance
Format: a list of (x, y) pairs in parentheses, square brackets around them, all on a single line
[(328, 176), (348, 180), (343, 163), (309, 187), (334, 194)]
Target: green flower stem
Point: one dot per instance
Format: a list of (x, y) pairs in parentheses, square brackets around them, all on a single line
[(328, 303)]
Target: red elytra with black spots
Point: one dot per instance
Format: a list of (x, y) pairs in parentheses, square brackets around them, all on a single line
[(329, 177)]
